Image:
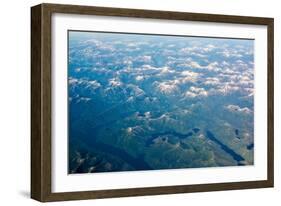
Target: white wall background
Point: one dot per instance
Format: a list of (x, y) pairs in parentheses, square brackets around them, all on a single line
[(15, 102)]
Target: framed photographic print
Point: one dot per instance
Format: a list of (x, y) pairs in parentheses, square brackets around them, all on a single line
[(130, 102)]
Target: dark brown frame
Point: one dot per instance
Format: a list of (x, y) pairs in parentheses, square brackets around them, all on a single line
[(41, 101)]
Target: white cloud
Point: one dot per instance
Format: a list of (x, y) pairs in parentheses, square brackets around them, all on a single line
[(196, 92), (225, 88), (83, 99), (212, 81), (165, 70), (228, 71), (114, 82), (167, 87), (134, 130), (77, 69), (245, 80), (214, 66), (148, 67), (208, 48), (135, 44), (96, 43), (128, 61), (237, 109), (73, 81), (145, 58), (129, 130), (147, 114), (230, 53), (190, 94), (249, 91), (189, 73), (198, 50), (195, 65), (139, 77), (135, 90), (92, 84), (189, 76), (77, 99), (159, 71)]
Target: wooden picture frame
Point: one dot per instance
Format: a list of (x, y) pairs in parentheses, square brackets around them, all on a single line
[(41, 98)]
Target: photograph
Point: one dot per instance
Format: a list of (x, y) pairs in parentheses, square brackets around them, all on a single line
[(158, 101), (134, 102)]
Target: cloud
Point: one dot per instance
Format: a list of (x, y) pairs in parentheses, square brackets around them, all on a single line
[(134, 90), (128, 61), (147, 114), (148, 67), (147, 70), (196, 92), (145, 58), (214, 66), (114, 82), (134, 130), (101, 45), (165, 70), (83, 99), (189, 76), (139, 77), (249, 91), (189, 73), (198, 50), (209, 48), (92, 42), (92, 84), (225, 88), (194, 65), (135, 44), (77, 69), (245, 80), (77, 99), (211, 81), (228, 53), (167, 87), (204, 65), (237, 109)]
